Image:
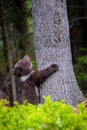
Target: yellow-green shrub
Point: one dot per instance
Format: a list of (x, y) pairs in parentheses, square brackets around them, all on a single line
[(50, 116)]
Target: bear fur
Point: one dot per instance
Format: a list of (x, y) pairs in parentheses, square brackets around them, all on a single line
[(30, 80)]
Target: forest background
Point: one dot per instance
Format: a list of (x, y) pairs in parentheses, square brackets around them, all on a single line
[(16, 39)]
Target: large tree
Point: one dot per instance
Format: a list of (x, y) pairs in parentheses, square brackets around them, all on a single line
[(52, 45)]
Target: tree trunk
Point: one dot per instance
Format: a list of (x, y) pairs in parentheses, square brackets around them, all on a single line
[(7, 44), (52, 45), (21, 25)]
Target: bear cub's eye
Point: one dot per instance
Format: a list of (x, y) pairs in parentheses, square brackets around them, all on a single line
[(19, 69)]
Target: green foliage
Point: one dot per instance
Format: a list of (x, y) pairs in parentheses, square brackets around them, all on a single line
[(34, 64), (50, 116), (81, 72), (30, 20), (82, 60), (1, 43)]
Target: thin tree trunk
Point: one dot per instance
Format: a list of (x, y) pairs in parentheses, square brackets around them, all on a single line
[(52, 45), (7, 43), (21, 25)]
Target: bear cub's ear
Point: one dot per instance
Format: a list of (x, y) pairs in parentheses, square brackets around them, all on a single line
[(27, 60)]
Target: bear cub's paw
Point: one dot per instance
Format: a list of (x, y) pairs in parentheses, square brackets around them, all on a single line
[(55, 66)]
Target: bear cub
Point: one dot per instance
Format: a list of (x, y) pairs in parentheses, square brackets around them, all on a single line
[(30, 80)]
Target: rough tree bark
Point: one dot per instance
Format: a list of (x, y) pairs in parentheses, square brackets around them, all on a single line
[(52, 45)]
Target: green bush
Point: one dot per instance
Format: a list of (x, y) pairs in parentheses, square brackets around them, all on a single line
[(50, 116), (81, 73)]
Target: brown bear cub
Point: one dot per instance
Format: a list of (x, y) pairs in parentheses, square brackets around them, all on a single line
[(30, 80)]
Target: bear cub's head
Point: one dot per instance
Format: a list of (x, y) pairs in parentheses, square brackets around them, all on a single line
[(23, 67)]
